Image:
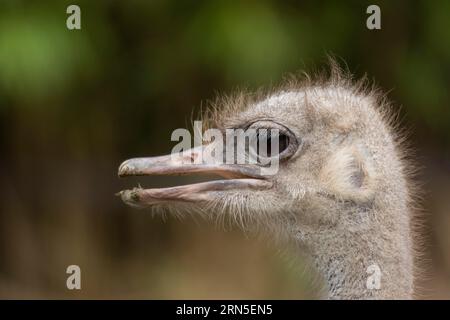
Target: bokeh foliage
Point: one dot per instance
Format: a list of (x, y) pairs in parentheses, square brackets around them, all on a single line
[(73, 104)]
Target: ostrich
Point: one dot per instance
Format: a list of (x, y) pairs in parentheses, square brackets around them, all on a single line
[(342, 193)]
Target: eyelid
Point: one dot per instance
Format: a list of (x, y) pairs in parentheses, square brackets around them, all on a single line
[(269, 124), (294, 143)]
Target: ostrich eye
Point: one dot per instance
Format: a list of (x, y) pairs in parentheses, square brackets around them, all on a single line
[(267, 139), (272, 140)]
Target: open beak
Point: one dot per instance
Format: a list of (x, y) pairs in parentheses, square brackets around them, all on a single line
[(238, 177)]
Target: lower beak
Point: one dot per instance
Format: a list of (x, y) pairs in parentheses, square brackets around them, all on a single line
[(238, 177)]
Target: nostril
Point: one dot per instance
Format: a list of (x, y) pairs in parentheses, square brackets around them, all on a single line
[(193, 156)]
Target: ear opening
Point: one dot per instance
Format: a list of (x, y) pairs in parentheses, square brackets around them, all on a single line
[(348, 174)]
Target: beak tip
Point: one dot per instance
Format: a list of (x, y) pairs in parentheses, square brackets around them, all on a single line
[(132, 197), (124, 169)]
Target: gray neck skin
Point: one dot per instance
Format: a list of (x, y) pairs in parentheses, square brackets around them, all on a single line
[(347, 255)]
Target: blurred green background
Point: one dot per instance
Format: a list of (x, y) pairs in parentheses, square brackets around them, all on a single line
[(74, 104)]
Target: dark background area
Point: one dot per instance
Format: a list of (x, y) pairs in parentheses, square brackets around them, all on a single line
[(75, 103)]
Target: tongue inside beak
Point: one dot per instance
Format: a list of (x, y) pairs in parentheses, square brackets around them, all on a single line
[(238, 177)]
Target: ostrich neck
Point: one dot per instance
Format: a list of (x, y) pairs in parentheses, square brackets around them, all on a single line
[(367, 259)]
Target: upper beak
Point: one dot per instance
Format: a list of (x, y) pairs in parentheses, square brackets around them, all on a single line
[(187, 162)]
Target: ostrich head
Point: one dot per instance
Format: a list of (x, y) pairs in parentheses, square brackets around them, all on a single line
[(340, 191)]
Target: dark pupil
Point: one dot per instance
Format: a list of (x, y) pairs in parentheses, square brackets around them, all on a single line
[(283, 142)]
